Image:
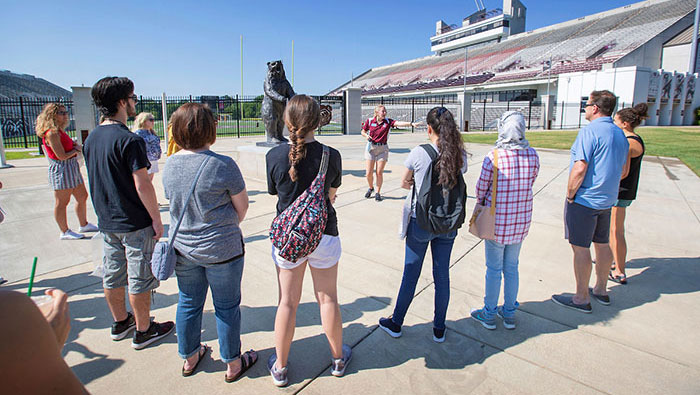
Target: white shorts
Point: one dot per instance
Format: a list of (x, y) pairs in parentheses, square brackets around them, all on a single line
[(154, 167), (324, 256)]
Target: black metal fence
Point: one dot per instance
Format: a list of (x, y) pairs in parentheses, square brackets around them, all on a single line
[(411, 109), (237, 115), (18, 120)]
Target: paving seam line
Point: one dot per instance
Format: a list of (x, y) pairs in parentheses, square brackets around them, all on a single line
[(675, 182)]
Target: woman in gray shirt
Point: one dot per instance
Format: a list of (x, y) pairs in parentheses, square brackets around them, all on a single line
[(209, 243)]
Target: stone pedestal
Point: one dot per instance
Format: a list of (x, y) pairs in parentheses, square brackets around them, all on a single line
[(251, 160)]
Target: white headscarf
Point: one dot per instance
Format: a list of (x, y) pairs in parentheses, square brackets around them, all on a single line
[(511, 131)]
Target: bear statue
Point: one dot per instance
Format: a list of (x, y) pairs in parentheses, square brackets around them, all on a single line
[(277, 92)]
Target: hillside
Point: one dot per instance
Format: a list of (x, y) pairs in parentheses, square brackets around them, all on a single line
[(15, 85)]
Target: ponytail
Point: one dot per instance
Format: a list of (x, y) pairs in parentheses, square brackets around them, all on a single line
[(450, 145), (301, 116)]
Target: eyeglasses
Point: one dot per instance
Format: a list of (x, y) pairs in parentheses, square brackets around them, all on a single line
[(62, 112), (590, 104), (134, 98)]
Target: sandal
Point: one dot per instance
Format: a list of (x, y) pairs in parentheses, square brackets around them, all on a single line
[(203, 348), (245, 365), (621, 279)]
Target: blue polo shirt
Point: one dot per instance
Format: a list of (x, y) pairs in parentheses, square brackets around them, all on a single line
[(604, 147)]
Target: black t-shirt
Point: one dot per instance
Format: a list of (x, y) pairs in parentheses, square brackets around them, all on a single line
[(112, 155), (279, 183)]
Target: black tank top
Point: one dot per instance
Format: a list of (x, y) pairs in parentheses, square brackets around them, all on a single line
[(629, 184)]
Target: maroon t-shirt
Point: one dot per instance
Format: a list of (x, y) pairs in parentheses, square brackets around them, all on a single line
[(378, 131)]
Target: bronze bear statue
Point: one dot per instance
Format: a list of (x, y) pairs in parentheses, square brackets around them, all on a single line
[(277, 92)]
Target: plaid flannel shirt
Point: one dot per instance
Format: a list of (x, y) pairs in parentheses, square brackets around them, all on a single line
[(517, 171)]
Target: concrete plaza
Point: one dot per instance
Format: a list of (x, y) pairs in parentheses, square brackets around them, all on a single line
[(646, 341)]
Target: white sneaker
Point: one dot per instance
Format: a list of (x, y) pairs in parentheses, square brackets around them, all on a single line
[(88, 228), (70, 235)]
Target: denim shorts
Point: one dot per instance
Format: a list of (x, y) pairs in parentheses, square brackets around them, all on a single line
[(325, 256), (623, 203), (127, 261), (585, 225)]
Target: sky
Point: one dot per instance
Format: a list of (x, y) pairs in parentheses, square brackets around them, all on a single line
[(194, 47)]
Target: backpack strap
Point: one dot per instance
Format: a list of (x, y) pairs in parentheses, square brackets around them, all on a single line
[(324, 161), (495, 181), (430, 150)]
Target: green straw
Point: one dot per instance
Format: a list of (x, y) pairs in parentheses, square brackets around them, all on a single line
[(31, 279)]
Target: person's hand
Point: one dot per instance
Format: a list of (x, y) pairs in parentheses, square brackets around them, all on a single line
[(78, 147), (407, 184), (333, 199), (59, 316), (158, 229)]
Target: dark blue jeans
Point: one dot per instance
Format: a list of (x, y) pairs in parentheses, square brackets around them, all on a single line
[(417, 241)]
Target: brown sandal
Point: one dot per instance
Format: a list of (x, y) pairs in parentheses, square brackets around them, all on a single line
[(190, 372), (245, 365)]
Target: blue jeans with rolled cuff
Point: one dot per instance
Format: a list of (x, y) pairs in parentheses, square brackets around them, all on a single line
[(501, 259)]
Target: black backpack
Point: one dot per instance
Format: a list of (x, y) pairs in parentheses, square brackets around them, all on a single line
[(440, 210)]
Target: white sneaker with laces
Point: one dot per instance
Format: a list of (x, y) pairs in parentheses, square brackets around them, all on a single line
[(70, 235), (88, 228)]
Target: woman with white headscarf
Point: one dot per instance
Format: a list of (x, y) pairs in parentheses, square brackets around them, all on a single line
[(517, 166)]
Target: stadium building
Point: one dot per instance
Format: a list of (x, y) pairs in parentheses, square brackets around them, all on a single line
[(640, 51)]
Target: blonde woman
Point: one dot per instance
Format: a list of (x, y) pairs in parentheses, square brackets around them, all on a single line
[(143, 127), (64, 172)]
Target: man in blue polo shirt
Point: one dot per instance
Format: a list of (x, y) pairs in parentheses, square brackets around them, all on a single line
[(598, 158)]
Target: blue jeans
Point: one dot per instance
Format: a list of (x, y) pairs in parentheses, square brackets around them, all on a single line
[(501, 258), (193, 280), (417, 241)]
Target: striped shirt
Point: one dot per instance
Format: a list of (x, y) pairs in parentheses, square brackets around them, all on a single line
[(517, 171)]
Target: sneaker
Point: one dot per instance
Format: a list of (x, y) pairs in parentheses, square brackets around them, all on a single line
[(279, 377), (2, 280), (88, 228), (568, 301), (338, 365), (390, 327), (369, 193), (154, 333), (478, 314), (122, 328), (508, 322), (438, 335), (378, 197), (70, 235), (602, 299)]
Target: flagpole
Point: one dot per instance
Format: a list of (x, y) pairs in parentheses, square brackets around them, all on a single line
[(241, 66)]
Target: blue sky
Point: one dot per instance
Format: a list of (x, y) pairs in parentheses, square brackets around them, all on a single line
[(184, 48)]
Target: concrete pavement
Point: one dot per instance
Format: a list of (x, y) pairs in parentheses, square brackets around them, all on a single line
[(645, 342)]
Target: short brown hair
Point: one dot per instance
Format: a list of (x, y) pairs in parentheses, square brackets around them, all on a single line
[(605, 100), (194, 126)]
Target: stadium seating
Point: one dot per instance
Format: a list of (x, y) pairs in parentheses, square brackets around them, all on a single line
[(583, 44)]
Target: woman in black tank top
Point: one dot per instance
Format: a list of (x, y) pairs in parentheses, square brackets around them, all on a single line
[(627, 119)]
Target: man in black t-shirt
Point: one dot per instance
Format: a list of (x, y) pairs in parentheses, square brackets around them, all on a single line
[(127, 211)]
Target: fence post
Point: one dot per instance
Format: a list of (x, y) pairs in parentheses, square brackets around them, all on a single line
[(24, 128), (483, 117), (164, 109), (529, 114), (3, 160), (190, 98), (413, 112), (238, 118), (508, 105)]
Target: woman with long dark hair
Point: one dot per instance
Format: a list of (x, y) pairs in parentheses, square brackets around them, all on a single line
[(626, 119), (452, 162), (291, 168), (64, 171)]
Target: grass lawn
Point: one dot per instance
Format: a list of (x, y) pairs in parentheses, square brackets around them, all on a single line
[(14, 155), (682, 143)]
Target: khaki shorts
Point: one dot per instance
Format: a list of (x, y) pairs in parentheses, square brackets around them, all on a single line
[(377, 152)]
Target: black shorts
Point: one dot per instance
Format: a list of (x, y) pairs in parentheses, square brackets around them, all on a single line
[(584, 225)]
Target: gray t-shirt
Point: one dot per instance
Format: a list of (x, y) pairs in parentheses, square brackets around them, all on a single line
[(419, 161), (209, 232)]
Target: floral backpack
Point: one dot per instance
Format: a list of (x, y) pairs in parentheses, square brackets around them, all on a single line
[(297, 231)]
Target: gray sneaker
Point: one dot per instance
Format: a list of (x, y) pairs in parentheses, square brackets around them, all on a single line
[(279, 377), (508, 322), (339, 365), (488, 323), (568, 301)]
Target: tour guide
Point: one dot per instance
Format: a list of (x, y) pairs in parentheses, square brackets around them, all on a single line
[(376, 131)]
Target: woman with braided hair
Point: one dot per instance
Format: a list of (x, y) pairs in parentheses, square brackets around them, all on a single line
[(626, 119), (452, 163), (291, 168)]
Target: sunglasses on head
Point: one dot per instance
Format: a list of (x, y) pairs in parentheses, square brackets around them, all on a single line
[(440, 111), (62, 112), (151, 119)]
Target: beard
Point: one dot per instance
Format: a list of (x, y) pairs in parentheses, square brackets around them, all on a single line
[(131, 110)]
